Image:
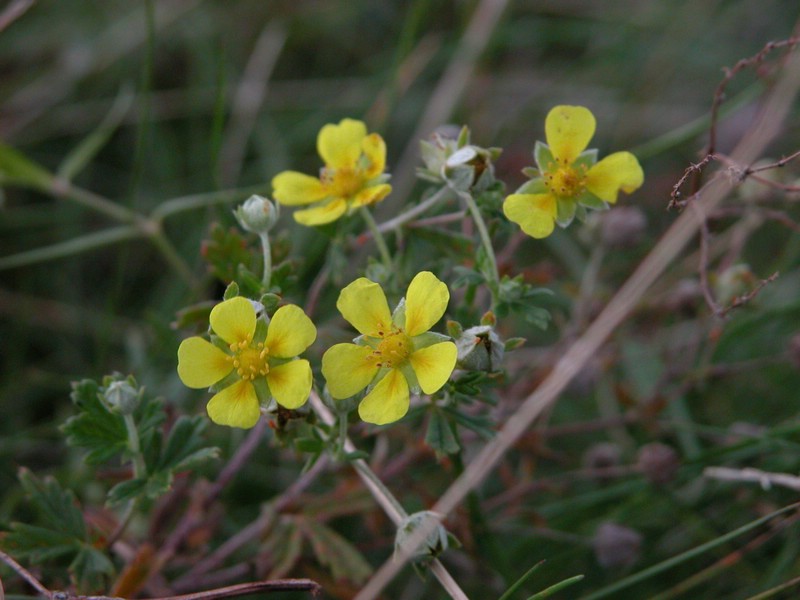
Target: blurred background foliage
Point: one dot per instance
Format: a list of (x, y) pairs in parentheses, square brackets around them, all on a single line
[(197, 96)]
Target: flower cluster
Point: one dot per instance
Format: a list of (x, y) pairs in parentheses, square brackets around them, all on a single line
[(568, 179), (351, 178), (249, 360), (395, 353)]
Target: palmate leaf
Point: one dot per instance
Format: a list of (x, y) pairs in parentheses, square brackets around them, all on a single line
[(60, 533), (336, 553), (94, 428), (57, 507), (440, 434), (184, 448)]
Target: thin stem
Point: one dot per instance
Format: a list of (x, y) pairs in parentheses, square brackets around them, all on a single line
[(26, 575), (385, 498), (267, 253), (172, 257), (139, 468), (62, 188), (377, 236), (486, 240), (413, 213), (184, 203)]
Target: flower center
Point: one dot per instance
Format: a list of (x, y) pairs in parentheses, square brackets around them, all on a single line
[(248, 360), (566, 181), (344, 182), (393, 350)]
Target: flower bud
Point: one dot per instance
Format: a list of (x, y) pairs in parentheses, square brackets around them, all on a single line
[(658, 463), (480, 349), (436, 542), (455, 161), (616, 546), (121, 397), (257, 214)]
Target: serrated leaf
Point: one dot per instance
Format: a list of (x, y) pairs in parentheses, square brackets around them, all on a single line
[(185, 444), (127, 490), (91, 568), (57, 507), (284, 545), (38, 543), (94, 428), (335, 552), (440, 435)]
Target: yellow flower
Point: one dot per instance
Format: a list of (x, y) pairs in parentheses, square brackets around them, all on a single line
[(258, 361), (395, 353), (569, 179), (352, 176)]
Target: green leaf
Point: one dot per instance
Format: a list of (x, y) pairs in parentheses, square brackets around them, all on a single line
[(565, 211), (94, 428), (91, 568), (184, 448), (18, 169), (284, 546), (335, 552), (127, 490), (38, 543), (440, 435), (57, 507), (556, 588)]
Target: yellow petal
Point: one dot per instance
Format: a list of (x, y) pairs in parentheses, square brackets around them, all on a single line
[(201, 364), (235, 406), (293, 188), (374, 149), (363, 304), (290, 383), (340, 145), (618, 171), (234, 320), (290, 332), (348, 369), (568, 130), (433, 365), (371, 195), (534, 213), (387, 402), (426, 301), (321, 215)]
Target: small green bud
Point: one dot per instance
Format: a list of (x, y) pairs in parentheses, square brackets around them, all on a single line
[(480, 349), (121, 397), (436, 542), (453, 160), (257, 214)]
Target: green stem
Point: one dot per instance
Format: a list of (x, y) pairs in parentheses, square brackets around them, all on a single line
[(267, 253), (486, 240), (184, 203), (139, 468), (173, 258), (77, 245), (378, 237), (62, 188)]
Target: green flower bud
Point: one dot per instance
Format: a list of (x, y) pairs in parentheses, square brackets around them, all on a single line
[(257, 214), (121, 397), (480, 349), (455, 161), (436, 542)]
